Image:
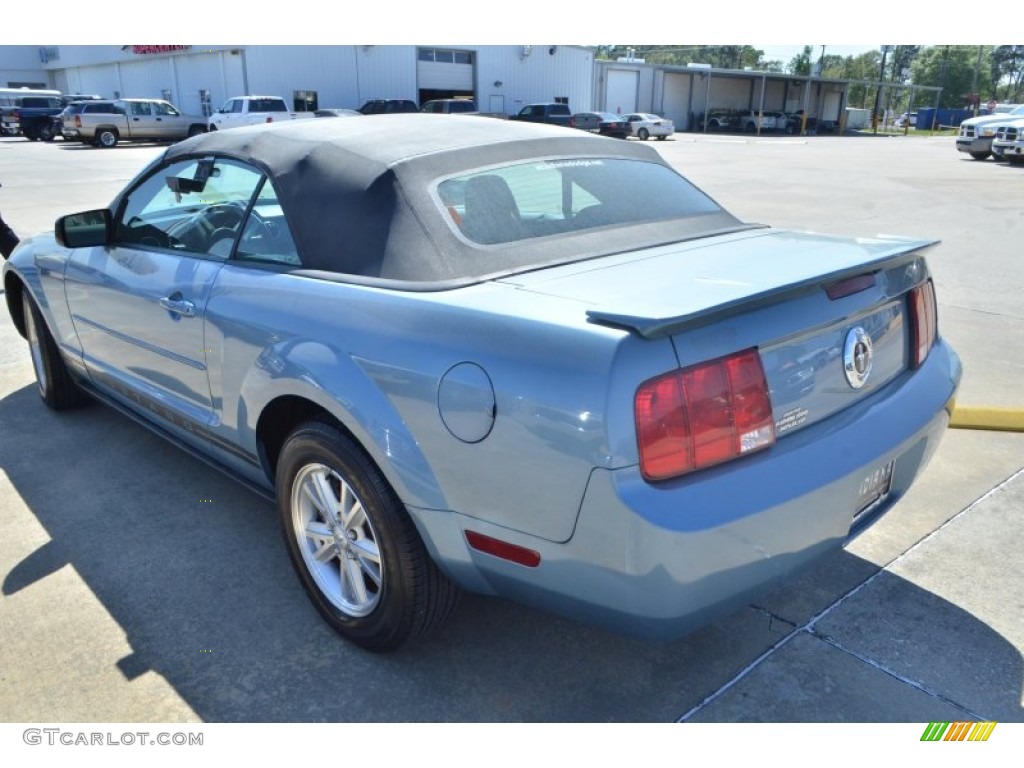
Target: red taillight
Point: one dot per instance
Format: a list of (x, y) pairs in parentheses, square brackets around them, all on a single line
[(924, 319), (703, 415)]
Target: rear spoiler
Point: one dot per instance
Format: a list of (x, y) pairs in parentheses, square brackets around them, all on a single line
[(905, 251)]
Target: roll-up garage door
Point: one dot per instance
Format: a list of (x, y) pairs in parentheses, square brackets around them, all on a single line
[(621, 90), (444, 73)]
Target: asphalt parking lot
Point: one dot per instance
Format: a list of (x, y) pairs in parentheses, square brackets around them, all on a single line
[(137, 585)]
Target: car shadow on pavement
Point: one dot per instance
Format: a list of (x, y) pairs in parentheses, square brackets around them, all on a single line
[(192, 569)]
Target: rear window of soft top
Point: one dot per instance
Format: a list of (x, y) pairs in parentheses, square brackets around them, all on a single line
[(554, 197)]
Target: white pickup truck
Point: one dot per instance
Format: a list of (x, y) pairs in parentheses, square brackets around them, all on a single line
[(976, 133), (251, 110)]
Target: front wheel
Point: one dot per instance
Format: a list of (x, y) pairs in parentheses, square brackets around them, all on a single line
[(55, 384), (46, 133), (352, 543), (643, 134)]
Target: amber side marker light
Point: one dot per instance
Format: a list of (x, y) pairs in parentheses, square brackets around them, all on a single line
[(503, 549)]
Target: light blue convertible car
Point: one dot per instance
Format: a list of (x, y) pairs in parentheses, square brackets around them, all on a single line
[(464, 353)]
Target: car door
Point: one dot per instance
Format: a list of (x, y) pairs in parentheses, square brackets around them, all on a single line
[(141, 121), (169, 123), (230, 115), (138, 304)]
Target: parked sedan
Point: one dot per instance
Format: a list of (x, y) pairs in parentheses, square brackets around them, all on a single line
[(643, 125), (604, 123), (336, 112), (509, 359)]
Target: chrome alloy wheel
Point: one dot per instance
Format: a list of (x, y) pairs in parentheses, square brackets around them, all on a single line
[(338, 543), (35, 346)]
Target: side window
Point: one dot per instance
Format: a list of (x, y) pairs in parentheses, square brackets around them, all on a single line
[(235, 105), (265, 236), (140, 108), (164, 109), (192, 206)]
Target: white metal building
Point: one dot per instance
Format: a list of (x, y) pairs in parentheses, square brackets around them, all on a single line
[(682, 93), (198, 79), (501, 78)]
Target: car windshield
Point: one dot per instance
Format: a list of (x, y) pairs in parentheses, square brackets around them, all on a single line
[(556, 197)]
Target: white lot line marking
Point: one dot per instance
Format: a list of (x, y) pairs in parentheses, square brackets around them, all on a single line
[(809, 626)]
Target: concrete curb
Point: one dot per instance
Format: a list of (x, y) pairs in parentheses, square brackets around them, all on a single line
[(982, 417)]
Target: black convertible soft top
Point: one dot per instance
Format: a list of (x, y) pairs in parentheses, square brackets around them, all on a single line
[(360, 193)]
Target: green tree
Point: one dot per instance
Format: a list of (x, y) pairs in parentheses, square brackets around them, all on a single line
[(833, 66), (1007, 72), (801, 63), (955, 69), (865, 69)]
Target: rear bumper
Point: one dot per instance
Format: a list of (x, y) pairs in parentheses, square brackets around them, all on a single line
[(659, 561)]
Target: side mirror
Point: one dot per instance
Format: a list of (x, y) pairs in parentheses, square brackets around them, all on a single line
[(84, 230)]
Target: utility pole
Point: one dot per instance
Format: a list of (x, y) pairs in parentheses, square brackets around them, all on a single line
[(878, 90), (975, 96)]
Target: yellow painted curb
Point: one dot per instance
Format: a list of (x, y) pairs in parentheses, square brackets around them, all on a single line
[(980, 417)]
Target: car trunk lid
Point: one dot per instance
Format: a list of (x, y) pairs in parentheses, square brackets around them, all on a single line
[(828, 314)]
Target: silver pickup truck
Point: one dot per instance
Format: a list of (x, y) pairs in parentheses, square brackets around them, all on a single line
[(105, 123)]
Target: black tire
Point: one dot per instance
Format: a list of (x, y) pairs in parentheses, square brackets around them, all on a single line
[(46, 133), (356, 551), (53, 380), (643, 134), (979, 155), (195, 130), (662, 137), (107, 138)]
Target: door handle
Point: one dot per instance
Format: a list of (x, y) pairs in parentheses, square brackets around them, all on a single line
[(179, 306)]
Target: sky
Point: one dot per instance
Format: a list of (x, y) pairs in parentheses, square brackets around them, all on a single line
[(788, 23), (786, 53)]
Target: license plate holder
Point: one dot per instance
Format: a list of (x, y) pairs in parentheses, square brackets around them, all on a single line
[(874, 487)]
